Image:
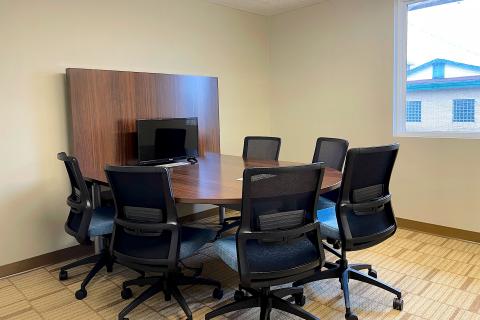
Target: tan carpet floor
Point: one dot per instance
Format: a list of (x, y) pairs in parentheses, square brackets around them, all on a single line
[(439, 277)]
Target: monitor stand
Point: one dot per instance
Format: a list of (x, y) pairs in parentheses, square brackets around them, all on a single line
[(173, 164), (192, 160), (183, 162)]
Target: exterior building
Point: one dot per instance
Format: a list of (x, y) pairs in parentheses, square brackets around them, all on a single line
[(443, 95)]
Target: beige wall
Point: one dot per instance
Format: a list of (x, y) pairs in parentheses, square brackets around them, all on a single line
[(332, 75), (39, 39), (322, 70)]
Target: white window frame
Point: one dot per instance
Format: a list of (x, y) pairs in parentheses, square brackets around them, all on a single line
[(400, 80)]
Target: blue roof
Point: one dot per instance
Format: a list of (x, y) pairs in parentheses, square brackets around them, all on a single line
[(445, 62), (442, 84)]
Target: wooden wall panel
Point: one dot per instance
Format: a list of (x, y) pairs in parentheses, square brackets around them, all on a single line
[(105, 105)]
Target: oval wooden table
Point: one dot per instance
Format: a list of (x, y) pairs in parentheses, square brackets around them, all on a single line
[(215, 179)]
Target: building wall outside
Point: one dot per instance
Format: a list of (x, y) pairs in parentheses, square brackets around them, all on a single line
[(450, 72), (437, 110), (454, 71), (421, 75)]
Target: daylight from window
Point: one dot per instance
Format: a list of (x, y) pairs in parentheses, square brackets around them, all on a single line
[(443, 67)]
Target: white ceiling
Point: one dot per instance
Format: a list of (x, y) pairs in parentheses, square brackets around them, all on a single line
[(266, 7)]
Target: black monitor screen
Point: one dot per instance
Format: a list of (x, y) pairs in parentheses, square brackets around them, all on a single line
[(165, 140)]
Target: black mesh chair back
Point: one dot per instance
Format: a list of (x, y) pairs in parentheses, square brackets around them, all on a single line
[(79, 201), (331, 151), (261, 148), (364, 209), (145, 227), (279, 208)]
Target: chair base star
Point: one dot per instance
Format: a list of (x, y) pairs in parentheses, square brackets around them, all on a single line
[(266, 300)]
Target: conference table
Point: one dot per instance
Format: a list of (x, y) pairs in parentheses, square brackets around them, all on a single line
[(216, 179)]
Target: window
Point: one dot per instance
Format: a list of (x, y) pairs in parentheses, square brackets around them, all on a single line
[(413, 112), (464, 110), (437, 68)]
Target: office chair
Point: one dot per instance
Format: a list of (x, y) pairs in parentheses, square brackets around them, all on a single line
[(147, 237), (254, 148), (261, 148), (85, 222), (332, 153), (363, 217), (278, 241)]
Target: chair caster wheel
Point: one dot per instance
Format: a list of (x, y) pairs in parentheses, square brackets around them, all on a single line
[(81, 294), (337, 245), (351, 316), (126, 293), (300, 299), (372, 273), (398, 304), (238, 295), (197, 273), (62, 275), (217, 293)]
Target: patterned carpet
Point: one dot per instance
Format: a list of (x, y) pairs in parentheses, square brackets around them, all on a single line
[(440, 279)]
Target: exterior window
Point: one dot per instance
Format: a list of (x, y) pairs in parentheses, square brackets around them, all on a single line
[(437, 68), (464, 110), (414, 111)]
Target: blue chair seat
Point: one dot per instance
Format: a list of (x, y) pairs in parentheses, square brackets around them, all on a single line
[(158, 247), (324, 203), (328, 223), (226, 249), (193, 239), (102, 221), (267, 257)]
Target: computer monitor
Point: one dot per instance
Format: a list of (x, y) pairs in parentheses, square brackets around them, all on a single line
[(166, 140)]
